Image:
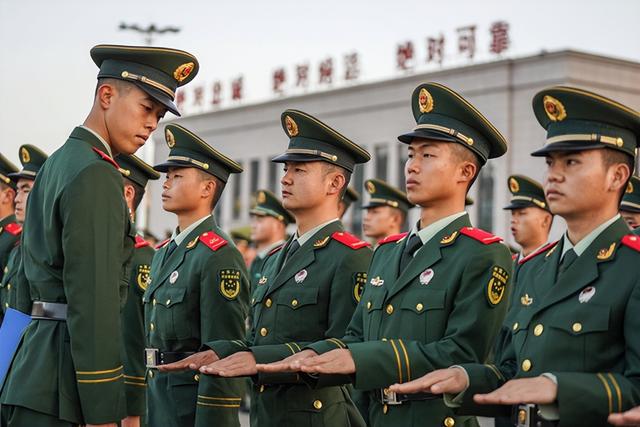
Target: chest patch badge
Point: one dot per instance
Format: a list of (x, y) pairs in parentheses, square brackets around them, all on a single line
[(526, 300), (359, 279), (143, 279), (377, 281), (497, 285), (426, 276), (229, 283), (262, 280), (300, 276), (174, 277), (586, 294)]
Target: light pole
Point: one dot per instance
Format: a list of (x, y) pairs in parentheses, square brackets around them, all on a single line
[(148, 32)]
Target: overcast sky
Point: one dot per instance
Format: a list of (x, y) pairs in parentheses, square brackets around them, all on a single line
[(47, 77)]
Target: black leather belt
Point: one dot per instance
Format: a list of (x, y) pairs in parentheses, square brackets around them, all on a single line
[(528, 415), (48, 311), (388, 397), (154, 357)]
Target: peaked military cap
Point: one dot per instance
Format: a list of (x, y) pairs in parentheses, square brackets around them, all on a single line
[(241, 233), (350, 197), (158, 71), (631, 198), (443, 115), (32, 159), (267, 204), (577, 120), (526, 192), (135, 169), (7, 168), (311, 140), (383, 194), (188, 150)]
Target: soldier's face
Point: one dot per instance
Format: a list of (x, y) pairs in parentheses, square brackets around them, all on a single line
[(263, 228), (632, 218), (379, 222), (529, 225), (579, 183), (130, 117), (304, 185), (430, 172), (183, 190), (24, 188)]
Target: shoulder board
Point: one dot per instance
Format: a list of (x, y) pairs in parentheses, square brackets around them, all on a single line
[(480, 235), (13, 228), (392, 238), (349, 240), (276, 249), (162, 244), (106, 157), (632, 241), (212, 240), (141, 243), (543, 249)]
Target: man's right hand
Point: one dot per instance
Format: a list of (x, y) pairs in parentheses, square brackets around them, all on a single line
[(451, 380), (290, 364), (193, 362)]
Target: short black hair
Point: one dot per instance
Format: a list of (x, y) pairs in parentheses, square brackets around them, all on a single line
[(120, 85), (219, 186), (138, 190)]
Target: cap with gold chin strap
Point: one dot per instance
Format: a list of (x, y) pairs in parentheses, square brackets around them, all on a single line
[(525, 193), (6, 169)]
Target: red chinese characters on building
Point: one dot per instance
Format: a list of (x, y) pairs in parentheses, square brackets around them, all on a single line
[(435, 49), (279, 78), (302, 75), (236, 89), (180, 99), (198, 95), (499, 37), (404, 56), (326, 71), (467, 41), (217, 93), (351, 66)]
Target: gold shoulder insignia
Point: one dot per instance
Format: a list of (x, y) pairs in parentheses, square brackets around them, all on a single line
[(605, 253), (449, 239), (321, 242), (192, 243)]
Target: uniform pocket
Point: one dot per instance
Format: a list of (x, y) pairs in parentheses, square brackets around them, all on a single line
[(298, 313), (172, 313), (422, 312)]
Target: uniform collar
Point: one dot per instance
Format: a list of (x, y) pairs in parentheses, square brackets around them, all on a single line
[(178, 237), (263, 253), (586, 241), (521, 256), (427, 233), (309, 234), (97, 135)]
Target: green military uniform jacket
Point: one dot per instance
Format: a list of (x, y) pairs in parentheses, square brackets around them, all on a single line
[(581, 325), (133, 332), (9, 235), (309, 298), (258, 263), (199, 293), (75, 251), (445, 308), (14, 289)]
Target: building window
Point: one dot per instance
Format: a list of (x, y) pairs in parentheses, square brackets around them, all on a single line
[(357, 182), (381, 158), (403, 155), (273, 176), (485, 198), (254, 170), (236, 210)]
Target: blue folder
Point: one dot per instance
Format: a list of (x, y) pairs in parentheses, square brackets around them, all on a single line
[(13, 326)]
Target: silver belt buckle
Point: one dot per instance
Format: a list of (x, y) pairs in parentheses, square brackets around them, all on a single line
[(152, 357), (523, 416), (389, 397)]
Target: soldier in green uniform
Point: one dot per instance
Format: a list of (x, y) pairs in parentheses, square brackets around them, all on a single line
[(308, 289), (68, 370), (350, 197), (199, 289), (135, 175), (573, 354), (9, 228), (386, 211), (269, 221), (241, 237), (435, 296), (630, 205), (14, 292)]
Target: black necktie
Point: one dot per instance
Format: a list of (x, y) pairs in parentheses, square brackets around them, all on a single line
[(291, 250), (568, 259), (410, 248), (172, 247)]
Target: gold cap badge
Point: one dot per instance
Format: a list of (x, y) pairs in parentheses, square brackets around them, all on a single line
[(425, 101), (171, 140), (183, 71), (292, 127), (370, 187), (513, 185), (261, 197), (554, 109), (24, 153)]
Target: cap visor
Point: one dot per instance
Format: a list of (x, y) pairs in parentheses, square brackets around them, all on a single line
[(568, 146), (159, 96), (19, 175), (627, 208), (295, 157), (164, 167), (408, 138)]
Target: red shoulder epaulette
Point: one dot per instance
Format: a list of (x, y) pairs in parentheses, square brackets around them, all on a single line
[(480, 235), (514, 257), (276, 249), (349, 239), (632, 241), (13, 228), (161, 244), (392, 238), (212, 240), (106, 157), (140, 242), (543, 249)]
